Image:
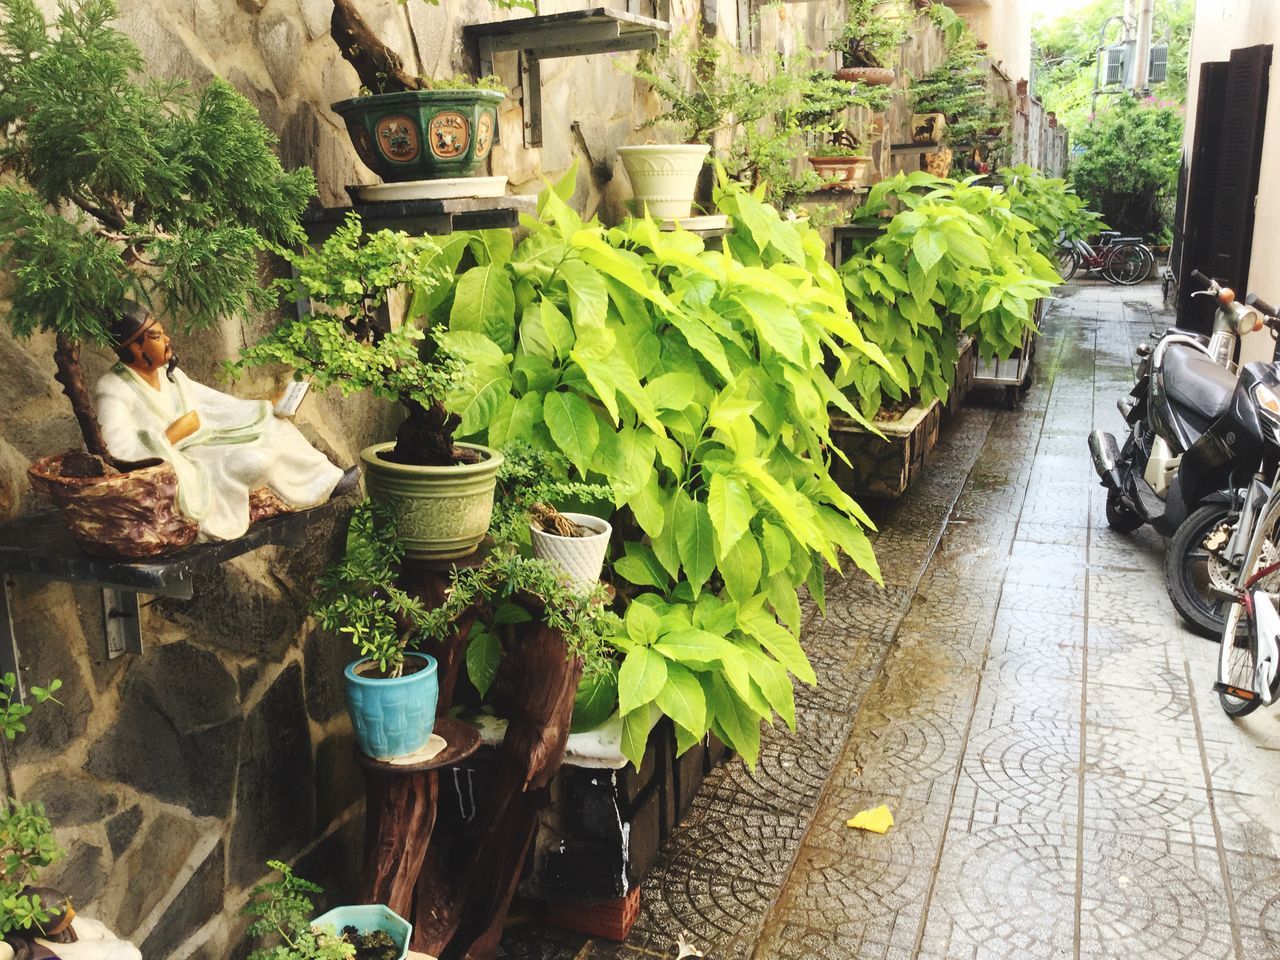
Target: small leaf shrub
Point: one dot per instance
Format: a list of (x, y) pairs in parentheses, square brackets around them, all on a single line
[(281, 910), (693, 384)]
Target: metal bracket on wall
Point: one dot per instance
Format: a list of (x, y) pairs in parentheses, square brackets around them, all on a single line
[(121, 621), (575, 34)]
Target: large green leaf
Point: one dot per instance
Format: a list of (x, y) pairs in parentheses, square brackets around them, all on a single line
[(635, 735), (486, 303), (595, 701), (734, 721), (588, 296), (730, 508), (695, 540), (573, 427), (775, 638), (642, 624), (484, 652), (641, 567), (741, 569), (643, 674), (697, 648), (683, 700)]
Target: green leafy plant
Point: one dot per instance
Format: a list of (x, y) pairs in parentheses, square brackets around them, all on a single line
[(352, 276), (872, 30), (126, 187), (281, 910), (955, 260), (460, 81), (959, 86), (27, 844), (1051, 205), (1126, 166), (692, 383)]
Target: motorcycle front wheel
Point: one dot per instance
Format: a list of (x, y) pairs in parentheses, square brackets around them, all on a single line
[(1186, 572)]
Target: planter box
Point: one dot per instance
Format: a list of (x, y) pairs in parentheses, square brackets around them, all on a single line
[(966, 371), (606, 821), (885, 467)]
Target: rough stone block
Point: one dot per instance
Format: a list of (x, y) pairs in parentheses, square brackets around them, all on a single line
[(72, 799), (80, 874), (165, 848), (339, 783), (198, 901), (176, 734), (122, 828)]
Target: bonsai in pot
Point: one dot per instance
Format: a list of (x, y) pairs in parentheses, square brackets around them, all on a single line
[(439, 492), (282, 919), (128, 190), (839, 161), (872, 30)]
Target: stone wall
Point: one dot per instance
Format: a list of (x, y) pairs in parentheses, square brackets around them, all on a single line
[(173, 775)]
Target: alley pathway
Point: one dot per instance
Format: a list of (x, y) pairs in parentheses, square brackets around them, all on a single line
[(1022, 697)]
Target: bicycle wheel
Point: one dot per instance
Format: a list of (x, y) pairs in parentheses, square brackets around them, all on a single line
[(1068, 262), (1125, 265), (1238, 662)]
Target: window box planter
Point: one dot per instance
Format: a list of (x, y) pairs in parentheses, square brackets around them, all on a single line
[(840, 172), (885, 466), (966, 371)]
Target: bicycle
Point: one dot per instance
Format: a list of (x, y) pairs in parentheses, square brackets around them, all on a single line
[(1121, 260)]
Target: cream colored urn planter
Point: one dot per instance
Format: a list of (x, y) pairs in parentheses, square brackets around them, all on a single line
[(664, 176), (581, 558), (441, 513)]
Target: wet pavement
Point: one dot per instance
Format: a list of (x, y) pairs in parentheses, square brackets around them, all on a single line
[(1022, 697)]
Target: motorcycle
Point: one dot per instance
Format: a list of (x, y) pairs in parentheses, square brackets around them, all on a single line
[(1193, 442)]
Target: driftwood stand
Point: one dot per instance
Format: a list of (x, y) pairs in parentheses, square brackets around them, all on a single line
[(457, 890)]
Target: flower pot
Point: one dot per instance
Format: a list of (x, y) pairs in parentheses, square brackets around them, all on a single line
[(422, 134), (367, 917), (440, 513), (840, 172), (928, 127), (664, 176), (939, 164), (129, 516), (871, 76), (393, 717), (582, 558)]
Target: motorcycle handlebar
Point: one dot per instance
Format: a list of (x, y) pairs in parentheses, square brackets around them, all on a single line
[(1197, 275), (1255, 301)]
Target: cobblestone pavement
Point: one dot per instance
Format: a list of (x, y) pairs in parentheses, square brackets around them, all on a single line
[(1020, 694)]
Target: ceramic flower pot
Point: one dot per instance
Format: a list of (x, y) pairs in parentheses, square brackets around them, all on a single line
[(664, 176), (871, 76), (928, 127), (582, 558), (840, 172), (393, 717), (367, 917), (440, 513), (422, 134)]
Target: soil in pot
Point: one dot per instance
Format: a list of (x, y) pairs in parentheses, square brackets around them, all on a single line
[(374, 945), (371, 671)]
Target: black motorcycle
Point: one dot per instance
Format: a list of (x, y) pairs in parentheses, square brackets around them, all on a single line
[(1194, 444)]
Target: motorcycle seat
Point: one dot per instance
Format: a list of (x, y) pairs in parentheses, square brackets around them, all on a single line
[(1194, 381)]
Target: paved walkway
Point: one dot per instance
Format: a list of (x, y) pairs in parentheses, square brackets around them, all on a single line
[(1020, 694)]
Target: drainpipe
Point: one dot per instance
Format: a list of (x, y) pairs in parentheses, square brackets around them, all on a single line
[(1142, 47)]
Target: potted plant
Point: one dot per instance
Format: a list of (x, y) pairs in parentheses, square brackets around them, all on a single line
[(436, 129), (575, 542), (282, 917), (872, 30), (839, 161), (439, 492), (172, 207)]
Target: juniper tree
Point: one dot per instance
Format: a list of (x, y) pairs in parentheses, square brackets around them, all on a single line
[(119, 185)]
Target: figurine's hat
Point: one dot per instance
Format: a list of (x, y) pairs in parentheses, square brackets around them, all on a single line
[(130, 323)]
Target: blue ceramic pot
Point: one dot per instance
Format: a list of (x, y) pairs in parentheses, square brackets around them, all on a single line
[(393, 718), (367, 917)]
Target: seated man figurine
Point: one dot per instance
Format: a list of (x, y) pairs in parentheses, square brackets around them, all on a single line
[(221, 447)]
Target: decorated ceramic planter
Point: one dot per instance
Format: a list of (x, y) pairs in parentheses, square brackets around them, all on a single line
[(582, 558), (422, 134), (840, 172), (871, 76), (367, 917), (440, 513), (664, 176), (392, 717), (928, 127)]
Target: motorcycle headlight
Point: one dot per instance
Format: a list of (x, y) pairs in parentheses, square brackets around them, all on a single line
[(1268, 402)]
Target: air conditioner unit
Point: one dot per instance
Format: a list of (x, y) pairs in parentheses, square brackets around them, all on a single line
[(1158, 70), (1115, 64)]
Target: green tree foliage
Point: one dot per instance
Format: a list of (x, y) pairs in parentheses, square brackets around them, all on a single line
[(126, 186), (872, 31), (957, 259), (691, 382), (1051, 205), (1127, 167), (958, 87), (27, 844)]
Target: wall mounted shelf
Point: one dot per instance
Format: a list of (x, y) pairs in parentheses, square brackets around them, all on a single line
[(40, 546), (434, 217), (579, 33)]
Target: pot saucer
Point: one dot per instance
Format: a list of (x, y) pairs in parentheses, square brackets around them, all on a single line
[(450, 188)]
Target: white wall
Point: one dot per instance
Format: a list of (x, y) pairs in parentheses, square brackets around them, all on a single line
[(1006, 27)]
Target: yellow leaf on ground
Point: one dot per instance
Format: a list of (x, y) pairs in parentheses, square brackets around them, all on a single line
[(878, 820)]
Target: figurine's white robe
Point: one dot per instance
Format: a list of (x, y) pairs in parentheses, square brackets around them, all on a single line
[(240, 446)]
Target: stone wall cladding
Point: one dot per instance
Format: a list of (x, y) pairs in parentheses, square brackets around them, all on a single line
[(173, 775)]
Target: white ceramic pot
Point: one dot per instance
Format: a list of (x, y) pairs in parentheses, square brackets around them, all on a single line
[(582, 558), (664, 176)]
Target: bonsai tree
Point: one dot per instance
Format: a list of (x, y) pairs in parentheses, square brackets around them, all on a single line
[(124, 187), (26, 836), (872, 30), (352, 277), (958, 87), (281, 911)]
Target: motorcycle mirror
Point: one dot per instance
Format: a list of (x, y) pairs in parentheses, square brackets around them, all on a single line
[(1226, 296)]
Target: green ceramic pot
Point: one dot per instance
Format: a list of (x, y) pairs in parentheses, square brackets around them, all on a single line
[(422, 134), (441, 513)]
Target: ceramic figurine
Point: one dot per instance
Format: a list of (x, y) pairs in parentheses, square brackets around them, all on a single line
[(222, 448)]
